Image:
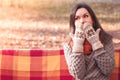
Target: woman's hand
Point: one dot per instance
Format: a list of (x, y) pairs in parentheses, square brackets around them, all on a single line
[(78, 38), (92, 36)]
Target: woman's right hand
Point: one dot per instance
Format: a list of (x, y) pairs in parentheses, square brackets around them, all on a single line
[(78, 38)]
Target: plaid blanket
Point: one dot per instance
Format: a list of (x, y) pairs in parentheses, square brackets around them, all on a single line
[(116, 72), (31, 64)]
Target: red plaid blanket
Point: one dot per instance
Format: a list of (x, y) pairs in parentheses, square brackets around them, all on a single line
[(116, 73), (39, 65)]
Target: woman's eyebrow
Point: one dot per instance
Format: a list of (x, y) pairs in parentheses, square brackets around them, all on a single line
[(86, 13)]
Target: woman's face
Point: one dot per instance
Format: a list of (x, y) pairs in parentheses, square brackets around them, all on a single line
[(82, 16)]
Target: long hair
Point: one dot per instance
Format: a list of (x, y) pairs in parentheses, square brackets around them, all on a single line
[(105, 37)]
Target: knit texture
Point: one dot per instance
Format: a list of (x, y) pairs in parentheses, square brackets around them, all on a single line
[(87, 48), (96, 66)]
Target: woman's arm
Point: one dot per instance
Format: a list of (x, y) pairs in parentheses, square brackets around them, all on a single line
[(75, 62), (103, 54), (104, 58)]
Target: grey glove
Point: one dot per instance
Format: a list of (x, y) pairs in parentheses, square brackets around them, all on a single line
[(92, 36), (78, 38)]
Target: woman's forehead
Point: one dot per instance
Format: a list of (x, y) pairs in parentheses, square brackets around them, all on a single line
[(82, 11)]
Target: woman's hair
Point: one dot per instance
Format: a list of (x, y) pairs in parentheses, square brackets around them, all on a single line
[(105, 37)]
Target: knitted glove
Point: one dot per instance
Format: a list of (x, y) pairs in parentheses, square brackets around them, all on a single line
[(92, 36), (78, 39)]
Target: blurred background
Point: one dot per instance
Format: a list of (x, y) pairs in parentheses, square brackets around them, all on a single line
[(44, 24)]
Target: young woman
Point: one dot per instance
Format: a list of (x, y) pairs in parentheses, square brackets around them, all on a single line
[(89, 53)]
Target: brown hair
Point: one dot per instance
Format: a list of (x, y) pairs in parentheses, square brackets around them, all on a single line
[(105, 37)]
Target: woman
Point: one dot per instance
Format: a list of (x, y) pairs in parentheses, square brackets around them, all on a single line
[(89, 53)]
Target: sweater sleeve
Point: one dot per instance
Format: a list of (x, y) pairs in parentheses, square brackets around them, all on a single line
[(75, 62), (104, 58)]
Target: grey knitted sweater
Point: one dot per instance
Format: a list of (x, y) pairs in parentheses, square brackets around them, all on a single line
[(96, 66)]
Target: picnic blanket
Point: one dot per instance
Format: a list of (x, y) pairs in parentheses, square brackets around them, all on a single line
[(38, 64)]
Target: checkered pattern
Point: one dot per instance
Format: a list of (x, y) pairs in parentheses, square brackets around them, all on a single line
[(40, 65), (116, 73)]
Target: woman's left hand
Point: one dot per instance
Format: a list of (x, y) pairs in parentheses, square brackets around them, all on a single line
[(92, 36)]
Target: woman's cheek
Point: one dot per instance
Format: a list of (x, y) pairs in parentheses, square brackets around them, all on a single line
[(90, 22)]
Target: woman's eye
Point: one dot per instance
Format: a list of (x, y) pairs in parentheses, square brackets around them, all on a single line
[(86, 16), (76, 18)]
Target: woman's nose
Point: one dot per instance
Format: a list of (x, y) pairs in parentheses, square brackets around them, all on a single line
[(82, 20)]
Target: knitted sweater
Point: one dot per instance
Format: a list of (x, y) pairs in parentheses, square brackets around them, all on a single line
[(96, 66)]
